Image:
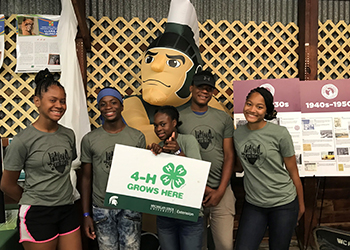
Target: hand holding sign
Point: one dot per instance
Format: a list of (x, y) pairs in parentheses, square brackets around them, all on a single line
[(155, 148)]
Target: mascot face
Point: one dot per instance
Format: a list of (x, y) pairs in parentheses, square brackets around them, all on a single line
[(164, 72)]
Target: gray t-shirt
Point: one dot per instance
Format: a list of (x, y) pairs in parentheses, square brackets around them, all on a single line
[(97, 148), (46, 159), (210, 130), (188, 145), (266, 181)]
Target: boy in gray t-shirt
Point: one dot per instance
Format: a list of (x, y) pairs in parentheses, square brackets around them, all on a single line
[(115, 228), (213, 130)]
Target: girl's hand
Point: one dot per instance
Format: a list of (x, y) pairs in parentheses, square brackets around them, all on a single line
[(89, 228), (171, 144), (155, 148)]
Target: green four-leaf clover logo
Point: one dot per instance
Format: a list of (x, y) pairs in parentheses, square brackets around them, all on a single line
[(173, 175)]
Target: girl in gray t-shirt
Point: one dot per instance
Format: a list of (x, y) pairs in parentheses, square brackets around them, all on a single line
[(274, 193), (176, 233), (45, 151)]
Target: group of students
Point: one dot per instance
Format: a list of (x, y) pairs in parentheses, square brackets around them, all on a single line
[(45, 150)]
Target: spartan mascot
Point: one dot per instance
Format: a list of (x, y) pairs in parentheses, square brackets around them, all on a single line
[(168, 66)]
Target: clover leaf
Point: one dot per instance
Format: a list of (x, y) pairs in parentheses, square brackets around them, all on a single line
[(173, 175)]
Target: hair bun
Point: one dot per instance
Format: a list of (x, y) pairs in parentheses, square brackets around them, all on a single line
[(271, 116), (43, 75)]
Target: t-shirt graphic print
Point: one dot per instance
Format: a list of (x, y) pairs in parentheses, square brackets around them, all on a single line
[(253, 152)]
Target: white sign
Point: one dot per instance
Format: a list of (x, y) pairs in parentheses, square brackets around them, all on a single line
[(165, 184)]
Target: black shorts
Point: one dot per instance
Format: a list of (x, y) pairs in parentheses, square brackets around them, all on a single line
[(41, 224)]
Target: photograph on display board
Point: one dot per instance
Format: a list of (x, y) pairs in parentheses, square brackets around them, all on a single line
[(54, 59), (341, 134), (328, 155), (337, 122), (28, 26), (342, 151), (326, 133)]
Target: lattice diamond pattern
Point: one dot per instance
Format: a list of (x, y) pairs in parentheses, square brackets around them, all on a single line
[(115, 59), (333, 50), (233, 51), (17, 108)]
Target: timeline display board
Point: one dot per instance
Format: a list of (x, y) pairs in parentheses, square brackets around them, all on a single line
[(325, 107), (317, 115)]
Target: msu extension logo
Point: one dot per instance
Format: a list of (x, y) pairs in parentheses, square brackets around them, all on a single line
[(329, 91), (173, 175)]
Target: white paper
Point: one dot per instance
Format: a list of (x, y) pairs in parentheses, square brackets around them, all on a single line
[(37, 46)]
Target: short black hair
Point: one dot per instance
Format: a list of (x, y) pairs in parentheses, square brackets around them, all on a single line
[(171, 111)]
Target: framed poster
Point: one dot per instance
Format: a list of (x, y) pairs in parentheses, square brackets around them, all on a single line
[(37, 46)]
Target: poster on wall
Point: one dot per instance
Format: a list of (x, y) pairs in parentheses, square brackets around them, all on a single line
[(286, 94), (2, 38), (325, 107), (164, 184), (37, 46)]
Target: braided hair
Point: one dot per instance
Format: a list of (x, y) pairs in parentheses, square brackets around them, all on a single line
[(171, 111), (44, 79)]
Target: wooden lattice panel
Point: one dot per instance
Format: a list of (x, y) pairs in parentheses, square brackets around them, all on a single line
[(233, 51), (333, 50), (17, 109), (115, 57)]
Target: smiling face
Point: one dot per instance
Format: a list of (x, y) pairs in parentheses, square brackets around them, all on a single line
[(255, 110), (164, 71), (164, 126), (201, 95), (51, 104), (110, 108)]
